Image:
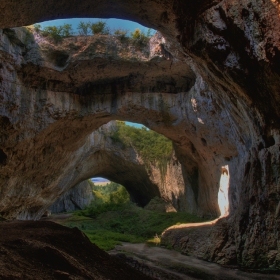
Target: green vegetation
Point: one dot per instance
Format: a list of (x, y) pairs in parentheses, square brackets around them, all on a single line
[(84, 28), (139, 38), (109, 224), (153, 147), (100, 27), (57, 33), (112, 193), (121, 34)]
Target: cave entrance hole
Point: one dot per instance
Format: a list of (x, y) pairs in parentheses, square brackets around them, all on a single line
[(144, 166), (106, 191), (223, 200), (82, 26)]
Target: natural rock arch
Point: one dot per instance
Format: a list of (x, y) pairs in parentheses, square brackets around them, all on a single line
[(233, 49)]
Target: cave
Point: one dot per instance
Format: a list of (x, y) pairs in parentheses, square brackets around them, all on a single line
[(217, 100)]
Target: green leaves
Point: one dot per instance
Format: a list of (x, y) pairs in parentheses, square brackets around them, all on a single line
[(152, 147), (100, 27), (84, 28), (139, 38), (56, 32)]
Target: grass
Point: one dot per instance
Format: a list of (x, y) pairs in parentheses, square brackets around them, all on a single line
[(125, 223), (107, 240)]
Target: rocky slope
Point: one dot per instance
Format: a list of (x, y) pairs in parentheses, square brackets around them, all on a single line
[(218, 102), (40, 250)]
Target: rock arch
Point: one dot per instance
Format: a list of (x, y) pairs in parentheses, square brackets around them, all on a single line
[(232, 47)]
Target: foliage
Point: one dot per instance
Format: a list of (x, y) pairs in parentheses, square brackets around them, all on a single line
[(84, 28), (112, 193), (111, 224), (58, 32), (119, 196), (37, 27), (100, 27), (107, 240), (66, 30), (121, 34), (139, 38), (152, 147)]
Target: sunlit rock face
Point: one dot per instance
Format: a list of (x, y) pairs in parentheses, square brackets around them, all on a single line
[(226, 115)]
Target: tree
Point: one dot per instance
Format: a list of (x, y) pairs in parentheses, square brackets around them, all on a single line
[(84, 28), (66, 30), (136, 34), (100, 27), (139, 38), (54, 32), (57, 32), (121, 34), (37, 27)]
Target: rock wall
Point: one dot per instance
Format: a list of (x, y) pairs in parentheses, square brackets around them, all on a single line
[(223, 115), (76, 198), (62, 131), (144, 181)]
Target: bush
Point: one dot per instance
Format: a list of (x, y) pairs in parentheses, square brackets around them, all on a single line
[(127, 222), (100, 27), (121, 34), (37, 27), (84, 28), (120, 196), (153, 147), (57, 32), (139, 38), (66, 30)]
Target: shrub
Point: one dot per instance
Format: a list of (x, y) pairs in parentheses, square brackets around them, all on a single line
[(58, 32), (121, 34), (100, 27), (120, 196), (139, 38), (153, 147), (37, 27), (84, 28), (66, 30)]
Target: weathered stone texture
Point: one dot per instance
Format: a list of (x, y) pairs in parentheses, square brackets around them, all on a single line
[(76, 198), (224, 112)]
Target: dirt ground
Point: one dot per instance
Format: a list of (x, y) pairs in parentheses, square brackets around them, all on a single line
[(182, 267), (46, 250)]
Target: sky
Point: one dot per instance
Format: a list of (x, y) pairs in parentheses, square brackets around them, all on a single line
[(138, 125), (112, 23)]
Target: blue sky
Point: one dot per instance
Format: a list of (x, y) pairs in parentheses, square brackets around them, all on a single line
[(112, 23), (138, 125)]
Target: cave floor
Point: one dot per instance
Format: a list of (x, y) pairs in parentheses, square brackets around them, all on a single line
[(47, 250), (180, 266)]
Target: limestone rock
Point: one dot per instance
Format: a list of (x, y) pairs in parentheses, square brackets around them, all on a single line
[(76, 198), (217, 100), (160, 205)]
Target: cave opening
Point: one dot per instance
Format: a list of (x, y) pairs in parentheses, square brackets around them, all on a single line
[(146, 164), (235, 111)]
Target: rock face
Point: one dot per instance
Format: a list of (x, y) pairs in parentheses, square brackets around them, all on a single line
[(76, 198), (144, 181), (217, 100)]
